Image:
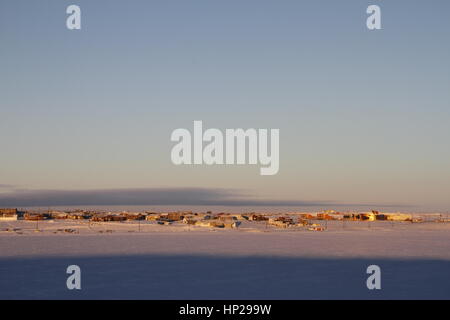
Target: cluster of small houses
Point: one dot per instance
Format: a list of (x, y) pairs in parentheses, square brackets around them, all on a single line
[(221, 220), (190, 218)]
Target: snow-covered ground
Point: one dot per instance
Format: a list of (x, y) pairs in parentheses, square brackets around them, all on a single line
[(144, 260)]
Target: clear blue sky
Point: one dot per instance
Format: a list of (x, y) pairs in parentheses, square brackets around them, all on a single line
[(363, 115)]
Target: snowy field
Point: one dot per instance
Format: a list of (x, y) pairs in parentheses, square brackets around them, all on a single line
[(144, 260)]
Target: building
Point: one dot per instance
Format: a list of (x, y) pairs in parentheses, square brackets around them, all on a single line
[(282, 222), (258, 217), (398, 217), (175, 216), (9, 214), (37, 216), (366, 216)]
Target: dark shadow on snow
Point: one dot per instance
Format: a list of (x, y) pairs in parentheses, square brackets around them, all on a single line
[(219, 277)]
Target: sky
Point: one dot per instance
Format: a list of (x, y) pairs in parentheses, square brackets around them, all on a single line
[(363, 115)]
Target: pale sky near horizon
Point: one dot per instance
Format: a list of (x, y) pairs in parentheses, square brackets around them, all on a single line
[(363, 115)]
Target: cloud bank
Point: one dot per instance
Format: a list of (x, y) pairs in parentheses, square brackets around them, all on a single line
[(6, 186), (144, 196)]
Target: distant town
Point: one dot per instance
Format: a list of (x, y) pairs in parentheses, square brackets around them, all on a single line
[(310, 221)]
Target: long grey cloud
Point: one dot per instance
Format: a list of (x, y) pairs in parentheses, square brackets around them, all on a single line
[(143, 196), (6, 186)]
